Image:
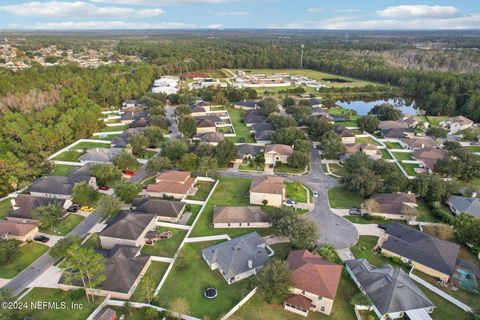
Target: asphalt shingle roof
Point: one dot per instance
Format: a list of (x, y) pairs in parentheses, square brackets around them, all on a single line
[(465, 204), (127, 225)]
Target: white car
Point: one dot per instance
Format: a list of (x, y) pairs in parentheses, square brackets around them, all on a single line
[(315, 194)]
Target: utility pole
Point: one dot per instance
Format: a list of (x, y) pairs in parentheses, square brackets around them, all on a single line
[(301, 57)]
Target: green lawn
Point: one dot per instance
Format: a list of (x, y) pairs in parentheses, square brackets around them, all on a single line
[(393, 145), (62, 170), (473, 148), (58, 296), (91, 145), (385, 154), (148, 154), (367, 140), (107, 137), (114, 128), (363, 250), (444, 310), (347, 123), (241, 129), (435, 121), (156, 270), (341, 198), (248, 167), (165, 247), (65, 225), (425, 212), (402, 155), (28, 254), (194, 210), (256, 308), (92, 242), (410, 168), (337, 169), (281, 250), (365, 220), (204, 188), (230, 192), (5, 207), (297, 193), (69, 155), (190, 282), (284, 168)]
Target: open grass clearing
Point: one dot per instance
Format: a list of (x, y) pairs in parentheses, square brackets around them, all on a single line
[(425, 214), (65, 225), (165, 247), (435, 120), (242, 132), (28, 253), (204, 188), (341, 198)]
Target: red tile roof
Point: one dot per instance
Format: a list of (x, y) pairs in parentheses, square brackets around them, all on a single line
[(299, 301)]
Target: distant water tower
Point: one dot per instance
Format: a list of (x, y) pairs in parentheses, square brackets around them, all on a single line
[(301, 57)]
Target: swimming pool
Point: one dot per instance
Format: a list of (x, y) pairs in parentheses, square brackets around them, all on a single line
[(466, 279)]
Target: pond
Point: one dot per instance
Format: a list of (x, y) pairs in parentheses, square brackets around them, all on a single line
[(363, 107)]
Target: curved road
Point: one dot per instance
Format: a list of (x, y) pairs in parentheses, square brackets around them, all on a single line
[(333, 228)]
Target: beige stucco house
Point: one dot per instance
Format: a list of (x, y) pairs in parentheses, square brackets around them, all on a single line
[(268, 190), (18, 231), (239, 217), (277, 153), (176, 184)]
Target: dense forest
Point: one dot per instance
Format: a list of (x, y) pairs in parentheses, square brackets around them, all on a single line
[(46, 108)]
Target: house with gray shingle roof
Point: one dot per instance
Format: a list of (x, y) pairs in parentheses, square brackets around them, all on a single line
[(238, 258), (100, 155), (246, 104), (391, 291), (247, 151), (166, 210), (459, 204), (422, 251)]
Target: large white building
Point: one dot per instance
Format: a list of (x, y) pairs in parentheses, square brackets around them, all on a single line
[(166, 84)]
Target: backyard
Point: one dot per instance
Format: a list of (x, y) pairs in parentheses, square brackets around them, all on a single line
[(71, 155), (473, 148), (296, 192), (65, 225), (194, 210), (165, 247), (402, 155), (363, 250), (91, 145), (410, 168), (367, 140), (57, 296), (121, 127), (393, 145), (341, 198), (5, 207), (385, 154), (204, 188), (241, 129), (230, 192), (62, 170), (156, 270), (425, 214), (190, 281), (28, 253)]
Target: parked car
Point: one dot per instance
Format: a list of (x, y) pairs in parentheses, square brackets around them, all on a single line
[(315, 194), (475, 143), (129, 173), (231, 164), (383, 226), (42, 239), (355, 211), (104, 188), (282, 174), (73, 208), (289, 203), (87, 208)]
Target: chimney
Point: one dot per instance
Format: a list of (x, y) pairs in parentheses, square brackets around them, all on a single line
[(250, 264)]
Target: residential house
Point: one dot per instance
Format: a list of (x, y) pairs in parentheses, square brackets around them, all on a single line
[(127, 229), (267, 189), (176, 184), (411, 121), (393, 294), (23, 206), (165, 210), (456, 124), (129, 117), (347, 135), (124, 268), (141, 122), (314, 283), (247, 152), (246, 104), (106, 313), (395, 130), (238, 258), (277, 153), (262, 126), (429, 157), (123, 140), (264, 137), (100, 155), (253, 117), (61, 187), (212, 138), (132, 103), (390, 205), (369, 149), (239, 217), (467, 205), (417, 143), (17, 230), (207, 123), (316, 103), (321, 113), (422, 251)]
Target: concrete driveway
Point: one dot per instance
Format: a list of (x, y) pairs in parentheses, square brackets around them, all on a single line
[(53, 239)]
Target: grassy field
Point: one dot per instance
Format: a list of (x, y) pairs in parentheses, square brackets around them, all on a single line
[(156, 270), (204, 188), (28, 254), (194, 210), (385, 154), (444, 310), (297, 193), (230, 192), (393, 145), (91, 145), (363, 250), (69, 155), (410, 168), (114, 128), (65, 225), (284, 168), (473, 148), (165, 247), (402, 155), (58, 296), (347, 123), (367, 140), (340, 198), (315, 75), (281, 250), (5, 208), (435, 121), (62, 170), (190, 282), (337, 169), (241, 129)]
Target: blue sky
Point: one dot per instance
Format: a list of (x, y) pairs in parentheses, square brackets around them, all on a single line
[(293, 14)]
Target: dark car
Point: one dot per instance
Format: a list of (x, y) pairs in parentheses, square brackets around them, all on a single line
[(231, 164), (73, 208), (383, 226), (42, 239), (104, 188)]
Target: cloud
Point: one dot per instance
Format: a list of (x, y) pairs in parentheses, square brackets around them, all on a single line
[(315, 10), (108, 25), (215, 26), (416, 11), (75, 9), (163, 2), (227, 13), (471, 21)]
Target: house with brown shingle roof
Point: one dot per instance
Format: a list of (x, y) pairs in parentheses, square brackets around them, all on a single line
[(267, 189), (239, 217), (391, 205), (207, 123), (369, 149), (456, 124), (277, 152), (177, 184), (314, 283), (417, 143), (344, 133), (429, 157), (17, 230)]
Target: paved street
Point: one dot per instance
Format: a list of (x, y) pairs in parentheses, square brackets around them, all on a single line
[(45, 262)]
